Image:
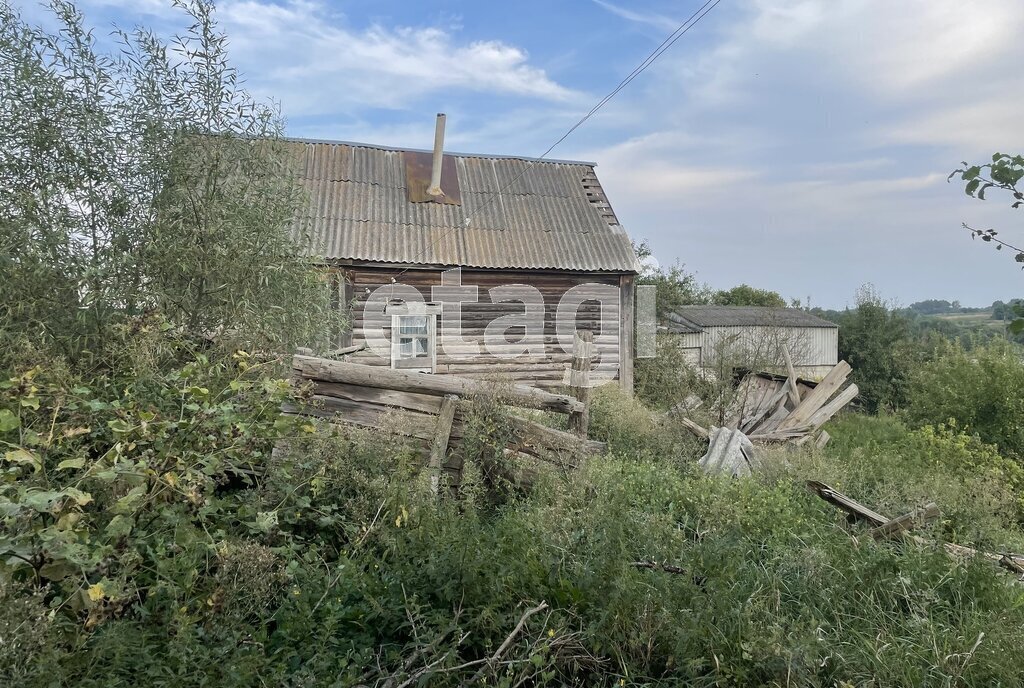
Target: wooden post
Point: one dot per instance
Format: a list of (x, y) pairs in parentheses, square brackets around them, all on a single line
[(794, 388), (579, 380), (627, 334), (441, 436)]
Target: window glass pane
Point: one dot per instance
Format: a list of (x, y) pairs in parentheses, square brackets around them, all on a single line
[(422, 347), (405, 346), (412, 324)]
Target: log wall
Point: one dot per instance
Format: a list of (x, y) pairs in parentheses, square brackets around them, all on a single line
[(544, 365)]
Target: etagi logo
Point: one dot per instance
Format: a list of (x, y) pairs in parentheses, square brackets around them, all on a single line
[(400, 325)]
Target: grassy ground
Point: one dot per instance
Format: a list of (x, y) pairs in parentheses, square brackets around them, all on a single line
[(340, 568)]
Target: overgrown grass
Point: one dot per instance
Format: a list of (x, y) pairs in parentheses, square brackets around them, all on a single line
[(338, 567)]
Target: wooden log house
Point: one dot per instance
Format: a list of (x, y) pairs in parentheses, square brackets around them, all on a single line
[(539, 252)]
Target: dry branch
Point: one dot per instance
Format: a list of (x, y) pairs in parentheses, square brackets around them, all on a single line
[(507, 642)]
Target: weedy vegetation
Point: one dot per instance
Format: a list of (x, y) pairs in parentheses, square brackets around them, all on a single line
[(164, 525)]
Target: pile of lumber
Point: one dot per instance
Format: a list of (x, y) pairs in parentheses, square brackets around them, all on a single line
[(777, 408), (431, 411)]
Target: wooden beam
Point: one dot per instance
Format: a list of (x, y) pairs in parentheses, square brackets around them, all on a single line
[(850, 506), (825, 413), (901, 524), (424, 383), (442, 435), (697, 430), (627, 334), (818, 396), (582, 348), (794, 391)]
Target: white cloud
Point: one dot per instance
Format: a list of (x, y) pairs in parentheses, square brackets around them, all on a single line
[(315, 63), (658, 21), (975, 128)]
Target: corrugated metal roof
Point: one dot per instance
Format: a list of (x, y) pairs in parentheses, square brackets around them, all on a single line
[(546, 219), (725, 316)]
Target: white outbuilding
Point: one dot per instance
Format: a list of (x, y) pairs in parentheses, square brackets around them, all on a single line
[(716, 339)]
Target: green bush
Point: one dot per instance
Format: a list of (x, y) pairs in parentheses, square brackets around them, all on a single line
[(979, 391)]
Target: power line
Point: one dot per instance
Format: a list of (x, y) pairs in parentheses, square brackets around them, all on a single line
[(683, 28)]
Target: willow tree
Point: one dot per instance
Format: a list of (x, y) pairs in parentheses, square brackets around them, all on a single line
[(144, 181)]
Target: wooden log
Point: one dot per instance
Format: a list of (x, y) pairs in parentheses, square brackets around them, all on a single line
[(901, 524), (424, 403), (818, 396), (540, 441), (823, 438), (528, 437), (442, 435), (582, 344), (425, 383), (346, 350), (697, 430)]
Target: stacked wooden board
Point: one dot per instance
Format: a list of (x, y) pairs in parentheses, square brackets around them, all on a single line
[(432, 409)]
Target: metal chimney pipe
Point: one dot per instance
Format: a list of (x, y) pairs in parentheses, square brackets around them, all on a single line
[(435, 176)]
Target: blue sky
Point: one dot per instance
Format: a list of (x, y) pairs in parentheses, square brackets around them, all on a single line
[(797, 145)]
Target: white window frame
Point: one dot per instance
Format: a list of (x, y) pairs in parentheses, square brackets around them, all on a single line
[(405, 309)]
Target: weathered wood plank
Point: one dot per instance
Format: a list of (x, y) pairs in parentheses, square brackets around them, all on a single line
[(442, 435), (426, 403), (817, 398), (906, 522), (833, 407), (440, 385), (794, 384), (850, 506), (582, 343)]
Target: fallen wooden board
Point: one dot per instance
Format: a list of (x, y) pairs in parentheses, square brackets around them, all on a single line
[(528, 437), (902, 524), (850, 506), (424, 383), (1011, 562), (818, 396), (794, 390), (825, 413)]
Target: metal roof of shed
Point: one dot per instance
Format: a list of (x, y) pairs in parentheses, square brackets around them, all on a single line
[(695, 318), (555, 216)]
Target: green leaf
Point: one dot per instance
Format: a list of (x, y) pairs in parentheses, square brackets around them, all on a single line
[(972, 186), (118, 426), (266, 521), (120, 526), (57, 570), (8, 421), (971, 173), (81, 498), (71, 463), (24, 456)]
